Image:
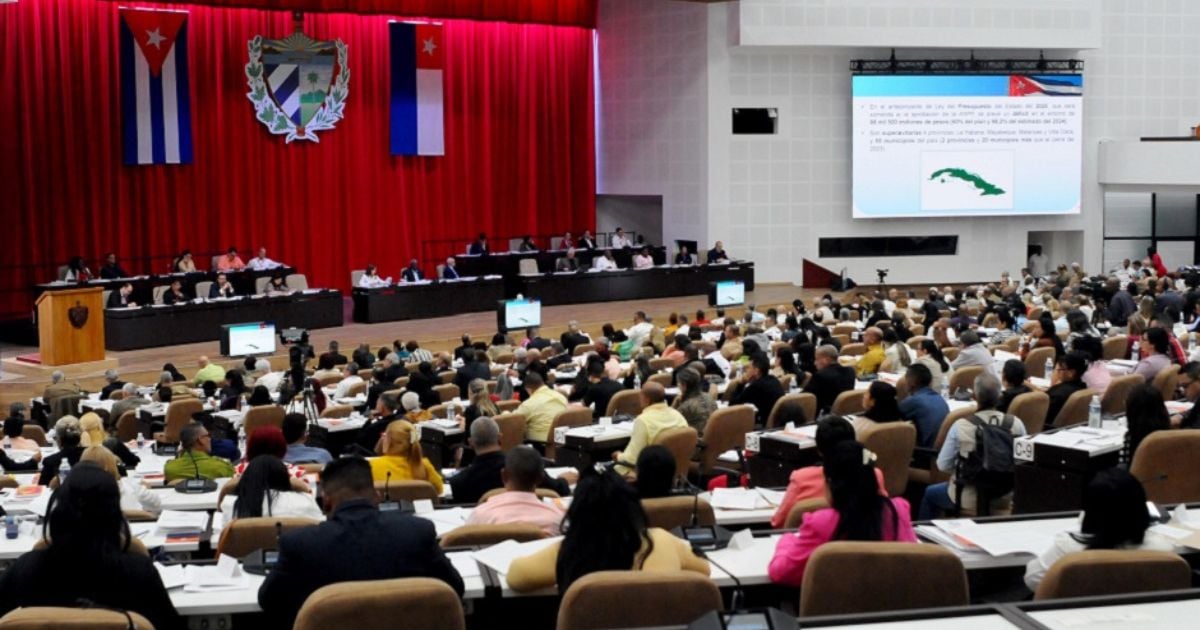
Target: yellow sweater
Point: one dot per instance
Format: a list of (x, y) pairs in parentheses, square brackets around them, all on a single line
[(537, 571), (402, 471)]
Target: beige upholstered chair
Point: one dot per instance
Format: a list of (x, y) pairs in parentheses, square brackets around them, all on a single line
[(1115, 347), (798, 408), (1113, 572), (57, 618), (848, 403), (1166, 381), (1113, 400), (676, 511), (1167, 464), (179, 415), (378, 604), (264, 416), (932, 474), (243, 535), (484, 535), (795, 515), (625, 401), (897, 575), (569, 417), (406, 490), (512, 430), (634, 599), (681, 441), (964, 378), (1075, 410), (726, 429), (892, 443), (1035, 362), (1031, 408)]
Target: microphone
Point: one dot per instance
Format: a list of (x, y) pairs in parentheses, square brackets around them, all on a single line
[(387, 497), (278, 533)]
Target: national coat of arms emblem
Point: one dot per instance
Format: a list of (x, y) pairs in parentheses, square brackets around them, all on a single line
[(298, 85), (77, 315)]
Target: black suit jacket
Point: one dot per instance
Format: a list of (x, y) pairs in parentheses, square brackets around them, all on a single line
[(450, 273), (478, 249), (358, 542), (469, 371), (586, 243), (826, 384), (171, 298), (215, 291), (112, 272), (110, 388), (483, 475), (116, 300), (570, 340), (335, 358), (762, 393), (412, 275), (600, 393)]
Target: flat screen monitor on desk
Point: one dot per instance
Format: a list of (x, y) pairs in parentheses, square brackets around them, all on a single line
[(518, 314), (726, 293), (239, 340)]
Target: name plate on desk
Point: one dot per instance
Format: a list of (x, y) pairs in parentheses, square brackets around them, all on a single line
[(1023, 449)]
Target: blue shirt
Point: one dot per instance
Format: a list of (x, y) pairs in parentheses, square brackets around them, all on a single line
[(301, 454), (926, 409)]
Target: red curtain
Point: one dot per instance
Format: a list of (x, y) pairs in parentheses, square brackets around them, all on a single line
[(519, 149), (560, 12)]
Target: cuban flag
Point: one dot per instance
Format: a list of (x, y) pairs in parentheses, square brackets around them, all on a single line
[(417, 121), (1063, 85), (156, 118)]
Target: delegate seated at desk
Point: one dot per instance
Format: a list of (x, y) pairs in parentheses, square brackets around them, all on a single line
[(449, 272), (568, 262), (643, 259), (111, 270), (371, 280), (174, 293), (479, 247), (261, 262), (230, 261), (412, 273), (605, 262), (221, 288), (587, 241), (121, 298), (683, 257), (194, 460), (717, 254)]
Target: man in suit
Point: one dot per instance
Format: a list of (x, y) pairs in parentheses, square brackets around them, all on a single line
[(717, 254), (759, 388), (333, 357), (357, 542), (412, 273), (58, 388), (221, 288), (830, 379), (448, 271), (479, 247), (121, 297), (573, 337), (113, 383), (174, 294), (111, 269), (587, 241), (483, 474), (475, 365), (568, 262)]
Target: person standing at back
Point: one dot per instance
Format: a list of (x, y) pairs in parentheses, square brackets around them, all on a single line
[(357, 542)]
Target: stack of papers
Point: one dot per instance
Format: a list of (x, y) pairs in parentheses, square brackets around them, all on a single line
[(738, 499), (179, 519), (225, 575), (444, 423), (998, 539), (500, 556)]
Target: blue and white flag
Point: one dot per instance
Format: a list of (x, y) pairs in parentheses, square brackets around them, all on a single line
[(156, 117)]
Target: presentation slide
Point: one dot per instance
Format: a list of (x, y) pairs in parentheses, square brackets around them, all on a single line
[(729, 293), (255, 338), (979, 145), (522, 313)]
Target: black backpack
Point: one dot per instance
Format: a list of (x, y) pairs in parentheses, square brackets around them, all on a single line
[(989, 468)]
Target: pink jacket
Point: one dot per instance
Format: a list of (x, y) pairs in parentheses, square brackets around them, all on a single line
[(794, 550)]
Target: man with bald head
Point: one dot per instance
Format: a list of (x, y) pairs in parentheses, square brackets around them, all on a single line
[(870, 362), (830, 379), (656, 417), (208, 372)]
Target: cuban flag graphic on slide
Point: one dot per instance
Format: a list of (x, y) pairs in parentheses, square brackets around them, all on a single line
[(156, 118), (417, 122)]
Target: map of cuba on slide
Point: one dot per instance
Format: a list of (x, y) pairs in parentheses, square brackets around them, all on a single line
[(952, 145)]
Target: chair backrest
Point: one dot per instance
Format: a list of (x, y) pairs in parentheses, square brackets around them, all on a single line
[(661, 379), (676, 511), (569, 417), (356, 389), (582, 349), (407, 490), (848, 403), (507, 406), (378, 604), (964, 377), (355, 276), (264, 416), (528, 267), (681, 441), (158, 293), (329, 379), (853, 349), (950, 354), (1167, 466), (446, 392), (726, 429), (914, 342), (507, 358), (1166, 380), (1075, 410), (625, 401), (951, 418), (795, 515), (243, 535), (337, 411), (35, 433), (1098, 572), (798, 408), (899, 576), (179, 415), (844, 329), (1031, 408), (1115, 347), (202, 288), (104, 297), (1113, 400), (483, 535), (631, 599), (661, 364), (126, 426), (261, 283), (512, 430), (893, 444), (61, 618), (1035, 361)]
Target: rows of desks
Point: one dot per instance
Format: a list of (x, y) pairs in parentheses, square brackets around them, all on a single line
[(143, 286)]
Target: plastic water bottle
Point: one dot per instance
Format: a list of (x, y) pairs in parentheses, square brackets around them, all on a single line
[(1049, 369), (1135, 355), (1094, 413), (450, 413), (141, 441), (10, 527), (795, 385), (637, 379), (945, 388), (64, 470), (1191, 343)]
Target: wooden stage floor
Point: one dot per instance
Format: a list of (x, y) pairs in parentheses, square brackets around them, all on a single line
[(142, 366)]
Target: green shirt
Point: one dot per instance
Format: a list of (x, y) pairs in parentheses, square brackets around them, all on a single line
[(206, 467), (211, 372)]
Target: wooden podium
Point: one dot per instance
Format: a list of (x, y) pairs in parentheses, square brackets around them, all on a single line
[(71, 326)]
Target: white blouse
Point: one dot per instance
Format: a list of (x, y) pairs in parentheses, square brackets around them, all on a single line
[(287, 503), (1064, 544)]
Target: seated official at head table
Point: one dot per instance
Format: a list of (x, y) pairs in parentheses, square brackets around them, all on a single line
[(605, 262), (111, 270), (222, 288), (450, 270), (184, 263), (122, 297), (643, 259), (75, 271), (412, 273), (261, 262), (717, 254), (174, 293), (683, 257), (568, 262), (479, 247), (357, 542), (276, 286), (230, 261), (371, 280), (586, 241)]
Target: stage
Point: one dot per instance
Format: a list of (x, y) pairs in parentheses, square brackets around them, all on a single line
[(20, 381)]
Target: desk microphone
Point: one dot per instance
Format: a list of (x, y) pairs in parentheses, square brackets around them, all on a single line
[(387, 505)]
